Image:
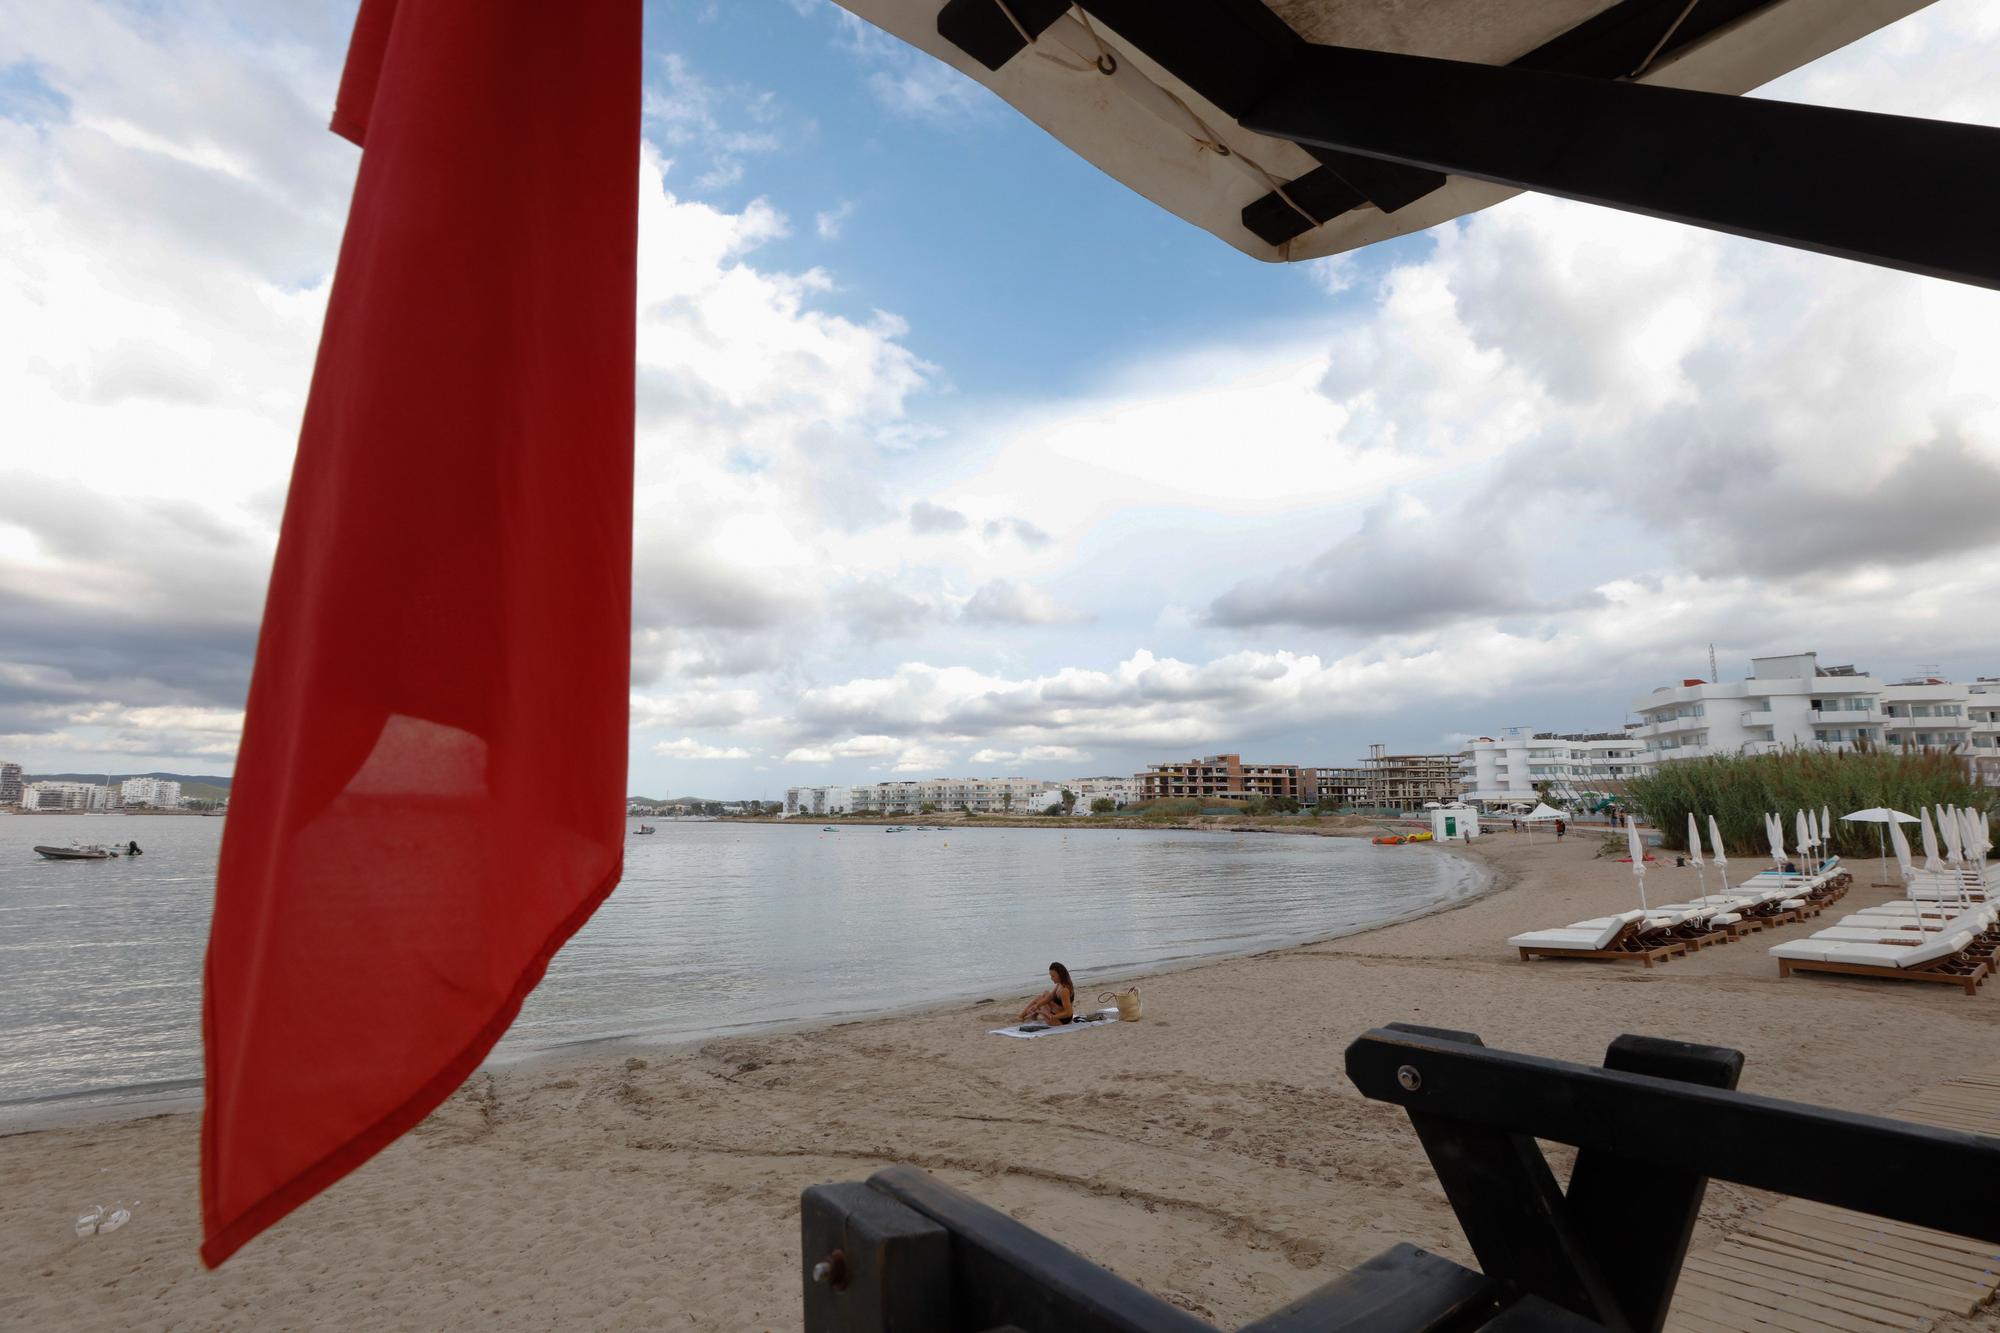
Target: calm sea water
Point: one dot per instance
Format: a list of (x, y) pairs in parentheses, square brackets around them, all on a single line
[(716, 928)]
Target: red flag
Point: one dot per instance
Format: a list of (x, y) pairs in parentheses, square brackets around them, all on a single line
[(429, 799)]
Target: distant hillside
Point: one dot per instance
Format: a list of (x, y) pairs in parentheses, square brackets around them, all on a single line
[(194, 786), (680, 800), (204, 780)]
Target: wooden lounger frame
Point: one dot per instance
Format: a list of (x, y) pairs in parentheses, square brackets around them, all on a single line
[(1647, 955), (1937, 971)]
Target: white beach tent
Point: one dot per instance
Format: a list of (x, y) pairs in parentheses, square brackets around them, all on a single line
[(1881, 816)]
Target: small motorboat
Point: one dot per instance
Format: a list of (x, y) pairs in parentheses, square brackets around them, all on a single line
[(829, 829), (77, 851), (644, 828)]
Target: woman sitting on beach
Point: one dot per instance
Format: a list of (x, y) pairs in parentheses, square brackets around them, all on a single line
[(1057, 1004)]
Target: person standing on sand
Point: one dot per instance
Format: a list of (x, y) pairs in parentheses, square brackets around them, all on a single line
[(1055, 1005), (1561, 828)]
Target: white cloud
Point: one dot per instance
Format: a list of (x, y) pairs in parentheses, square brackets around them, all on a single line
[(828, 222), (1005, 602), (1032, 754), (689, 748), (1543, 456)]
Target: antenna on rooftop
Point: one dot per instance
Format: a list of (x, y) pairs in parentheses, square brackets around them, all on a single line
[(1714, 676)]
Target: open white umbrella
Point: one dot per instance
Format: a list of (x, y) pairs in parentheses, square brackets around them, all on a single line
[(1694, 852), (1638, 860), (1880, 816), (1932, 864)]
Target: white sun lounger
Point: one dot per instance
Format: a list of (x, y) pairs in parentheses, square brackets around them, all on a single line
[(1939, 960), (1597, 938)]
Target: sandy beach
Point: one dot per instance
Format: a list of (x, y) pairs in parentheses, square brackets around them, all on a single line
[(1213, 1152)]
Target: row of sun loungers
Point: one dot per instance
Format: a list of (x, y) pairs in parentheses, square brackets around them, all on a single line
[(1668, 931), (1657, 934), (1902, 941)]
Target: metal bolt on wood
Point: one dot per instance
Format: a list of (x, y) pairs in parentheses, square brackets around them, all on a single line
[(831, 1271), (1409, 1078)]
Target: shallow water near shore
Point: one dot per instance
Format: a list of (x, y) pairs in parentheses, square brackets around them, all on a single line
[(717, 928)]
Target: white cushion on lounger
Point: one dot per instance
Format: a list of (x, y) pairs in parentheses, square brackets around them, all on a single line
[(1561, 939), (1725, 919), (1865, 935), (1803, 950), (1592, 934), (1791, 902), (1897, 955)]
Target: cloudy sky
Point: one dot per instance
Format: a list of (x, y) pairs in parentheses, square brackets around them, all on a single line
[(956, 457)]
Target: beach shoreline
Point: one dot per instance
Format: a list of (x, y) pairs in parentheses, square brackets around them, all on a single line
[(1212, 1152), (110, 1106)]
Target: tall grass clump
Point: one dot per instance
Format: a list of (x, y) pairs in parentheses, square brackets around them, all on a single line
[(1739, 789)]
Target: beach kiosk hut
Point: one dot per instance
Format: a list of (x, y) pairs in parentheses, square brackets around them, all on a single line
[(1449, 823)]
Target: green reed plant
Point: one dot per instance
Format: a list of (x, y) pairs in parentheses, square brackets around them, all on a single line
[(1739, 789)]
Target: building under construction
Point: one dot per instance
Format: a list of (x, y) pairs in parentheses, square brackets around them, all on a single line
[(1385, 781)]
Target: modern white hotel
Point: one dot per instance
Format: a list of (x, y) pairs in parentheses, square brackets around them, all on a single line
[(1793, 701), (1512, 767)]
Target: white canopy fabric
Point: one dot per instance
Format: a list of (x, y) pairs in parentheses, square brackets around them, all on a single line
[(1825, 830), (1804, 835), (1694, 841), (1978, 841), (1948, 834), (1543, 811), (1638, 853), (1902, 846), (1774, 830), (1119, 110), (1880, 814), (1931, 862), (1715, 844)]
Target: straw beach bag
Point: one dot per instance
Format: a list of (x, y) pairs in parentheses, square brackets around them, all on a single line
[(1127, 1001)]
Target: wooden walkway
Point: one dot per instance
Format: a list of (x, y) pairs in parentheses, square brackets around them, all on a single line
[(1803, 1267)]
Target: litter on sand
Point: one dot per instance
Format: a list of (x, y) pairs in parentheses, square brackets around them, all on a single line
[(98, 1220)]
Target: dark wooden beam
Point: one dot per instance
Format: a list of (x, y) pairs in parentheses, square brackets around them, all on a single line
[(1608, 45), (1774, 171)]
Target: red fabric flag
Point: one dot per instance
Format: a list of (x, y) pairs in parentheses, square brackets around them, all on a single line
[(429, 799)]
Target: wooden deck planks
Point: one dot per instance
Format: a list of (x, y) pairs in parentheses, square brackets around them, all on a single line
[(1802, 1266)]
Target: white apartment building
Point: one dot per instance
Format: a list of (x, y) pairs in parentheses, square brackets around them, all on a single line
[(816, 801), (982, 796), (1983, 721), (1122, 791), (53, 795), (160, 793), (1503, 769), (1792, 701)]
